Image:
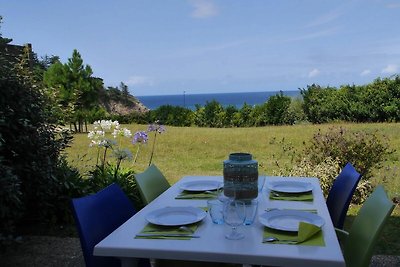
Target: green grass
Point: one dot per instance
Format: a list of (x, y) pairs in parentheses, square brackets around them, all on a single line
[(190, 151), (184, 151)]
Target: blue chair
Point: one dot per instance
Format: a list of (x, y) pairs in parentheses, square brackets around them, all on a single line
[(341, 193), (96, 216)]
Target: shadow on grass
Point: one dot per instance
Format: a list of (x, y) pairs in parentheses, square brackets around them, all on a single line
[(388, 243)]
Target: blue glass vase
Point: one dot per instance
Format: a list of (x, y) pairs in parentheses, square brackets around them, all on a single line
[(241, 176)]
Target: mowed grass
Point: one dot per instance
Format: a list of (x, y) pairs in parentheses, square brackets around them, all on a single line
[(184, 151)]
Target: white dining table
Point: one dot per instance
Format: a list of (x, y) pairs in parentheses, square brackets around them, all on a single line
[(212, 246)]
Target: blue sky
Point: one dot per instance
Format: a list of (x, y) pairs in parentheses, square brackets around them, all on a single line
[(202, 46)]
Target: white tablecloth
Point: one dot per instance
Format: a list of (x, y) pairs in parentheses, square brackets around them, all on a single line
[(214, 247)]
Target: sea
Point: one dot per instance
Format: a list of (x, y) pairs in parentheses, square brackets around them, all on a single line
[(191, 100)]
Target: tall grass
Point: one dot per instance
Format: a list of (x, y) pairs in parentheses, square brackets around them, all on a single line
[(184, 151)]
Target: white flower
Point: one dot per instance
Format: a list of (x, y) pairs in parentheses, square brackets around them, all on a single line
[(127, 132), (121, 132)]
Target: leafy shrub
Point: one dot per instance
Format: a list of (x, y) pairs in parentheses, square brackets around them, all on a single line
[(363, 149), (329, 152), (104, 175), (11, 208), (374, 102), (277, 108), (213, 114), (326, 171), (295, 113), (173, 115), (71, 185), (30, 146)]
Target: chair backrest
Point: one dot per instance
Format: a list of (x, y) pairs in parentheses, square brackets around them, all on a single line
[(96, 216), (366, 228), (341, 193), (151, 183)]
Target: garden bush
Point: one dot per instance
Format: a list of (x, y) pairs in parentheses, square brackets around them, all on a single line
[(104, 175), (365, 150), (30, 149), (326, 171), (11, 208), (327, 153)]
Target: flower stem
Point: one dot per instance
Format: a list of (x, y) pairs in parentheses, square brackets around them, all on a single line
[(152, 150), (137, 153)]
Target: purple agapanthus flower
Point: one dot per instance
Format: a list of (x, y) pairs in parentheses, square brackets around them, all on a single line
[(155, 127), (140, 137)]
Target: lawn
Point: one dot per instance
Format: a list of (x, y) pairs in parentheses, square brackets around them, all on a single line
[(184, 151)]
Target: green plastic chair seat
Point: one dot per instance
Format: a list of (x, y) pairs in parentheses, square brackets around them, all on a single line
[(360, 241), (151, 183)]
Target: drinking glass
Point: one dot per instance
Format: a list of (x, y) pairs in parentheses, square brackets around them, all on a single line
[(251, 211), (234, 216), (215, 209), (261, 182)]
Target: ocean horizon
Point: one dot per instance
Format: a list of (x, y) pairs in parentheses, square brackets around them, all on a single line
[(191, 100)]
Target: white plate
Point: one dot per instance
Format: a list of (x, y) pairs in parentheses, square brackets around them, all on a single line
[(290, 186), (201, 185), (172, 216), (288, 220)]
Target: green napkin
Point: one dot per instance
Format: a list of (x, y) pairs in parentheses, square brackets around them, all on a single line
[(308, 196), (197, 195), (158, 229), (308, 234)]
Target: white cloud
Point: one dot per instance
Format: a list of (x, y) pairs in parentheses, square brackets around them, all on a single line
[(204, 8), (139, 80), (365, 72), (390, 69), (313, 73)]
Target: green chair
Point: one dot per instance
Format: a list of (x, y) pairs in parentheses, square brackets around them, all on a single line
[(151, 183), (366, 228)]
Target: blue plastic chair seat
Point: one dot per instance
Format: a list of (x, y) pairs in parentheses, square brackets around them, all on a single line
[(341, 193), (96, 216)]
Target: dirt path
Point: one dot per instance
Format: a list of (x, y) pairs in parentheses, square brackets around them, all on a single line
[(46, 251)]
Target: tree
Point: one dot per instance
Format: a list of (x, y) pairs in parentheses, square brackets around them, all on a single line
[(3, 41), (125, 92), (277, 108), (74, 88)]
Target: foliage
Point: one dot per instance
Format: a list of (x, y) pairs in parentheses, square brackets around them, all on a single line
[(378, 101), (74, 88), (103, 175), (10, 198), (276, 109), (295, 113), (326, 171), (328, 152), (214, 115), (364, 150), (172, 115), (30, 146), (211, 115), (2, 39)]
